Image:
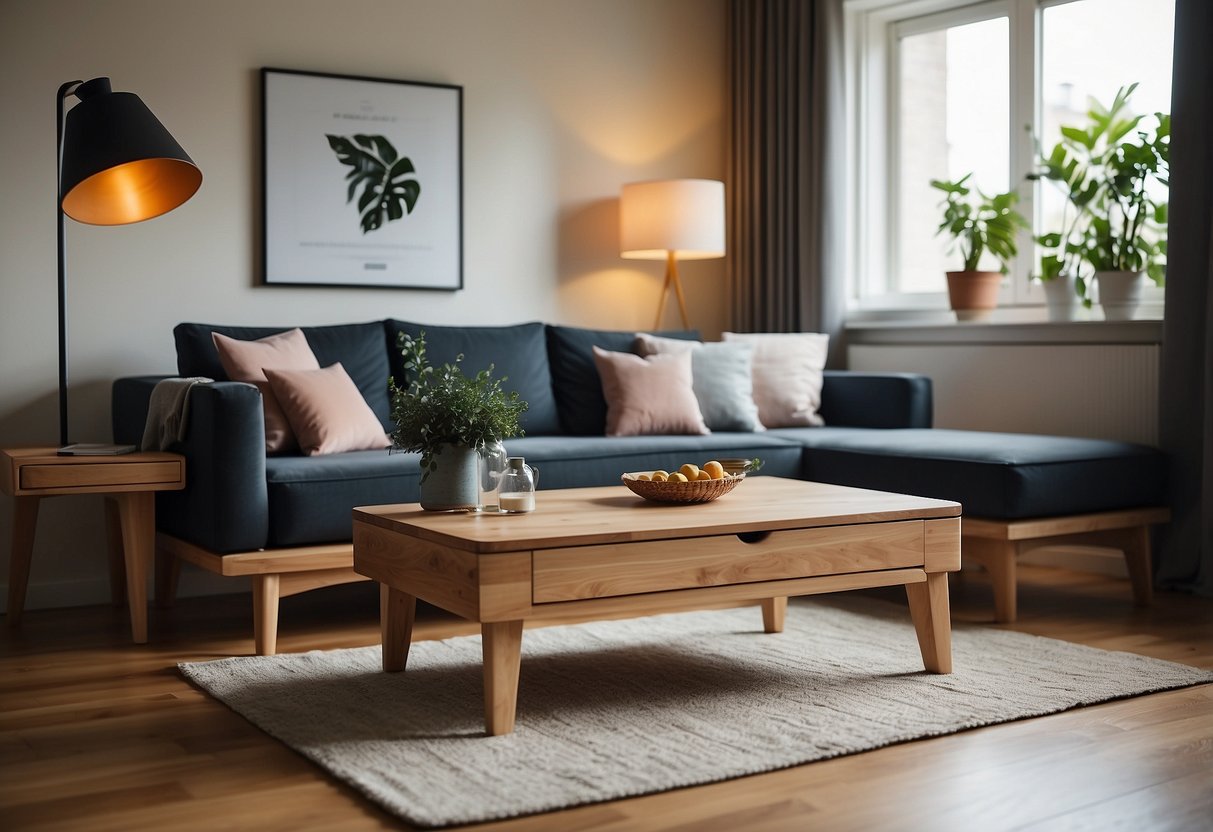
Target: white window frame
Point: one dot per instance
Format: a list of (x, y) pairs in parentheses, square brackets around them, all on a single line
[(872, 30)]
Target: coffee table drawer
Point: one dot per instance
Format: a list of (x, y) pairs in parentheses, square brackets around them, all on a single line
[(607, 570)]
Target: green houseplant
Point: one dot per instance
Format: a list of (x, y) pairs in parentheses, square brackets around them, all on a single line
[(1111, 172), (977, 223), (449, 417)]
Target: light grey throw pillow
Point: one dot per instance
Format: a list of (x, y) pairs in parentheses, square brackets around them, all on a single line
[(721, 376)]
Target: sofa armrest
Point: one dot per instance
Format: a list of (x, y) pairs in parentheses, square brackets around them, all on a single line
[(876, 400), (224, 506)]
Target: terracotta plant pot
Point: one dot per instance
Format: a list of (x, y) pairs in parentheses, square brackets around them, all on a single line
[(973, 295)]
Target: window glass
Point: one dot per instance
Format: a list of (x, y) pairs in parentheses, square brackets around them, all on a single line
[(953, 114), (1077, 65)]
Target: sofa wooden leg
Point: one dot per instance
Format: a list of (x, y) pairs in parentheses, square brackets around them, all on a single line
[(265, 614), (998, 557), (1136, 546)]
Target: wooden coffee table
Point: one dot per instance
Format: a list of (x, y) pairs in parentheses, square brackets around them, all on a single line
[(603, 552)]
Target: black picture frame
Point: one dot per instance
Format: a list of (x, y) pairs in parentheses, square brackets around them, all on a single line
[(362, 181)]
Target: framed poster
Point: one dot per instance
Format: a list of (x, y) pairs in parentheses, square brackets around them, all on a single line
[(363, 181)]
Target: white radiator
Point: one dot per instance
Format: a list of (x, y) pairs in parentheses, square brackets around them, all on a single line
[(1104, 391)]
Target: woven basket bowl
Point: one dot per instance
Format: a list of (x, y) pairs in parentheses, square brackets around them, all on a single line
[(700, 491)]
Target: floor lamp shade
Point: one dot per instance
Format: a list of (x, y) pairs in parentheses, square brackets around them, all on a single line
[(672, 220), (683, 216), (119, 164)]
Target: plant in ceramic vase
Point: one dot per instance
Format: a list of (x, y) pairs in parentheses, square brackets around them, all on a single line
[(977, 223), (449, 417), (1115, 174)]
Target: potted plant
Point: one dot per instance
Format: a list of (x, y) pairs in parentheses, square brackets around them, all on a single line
[(449, 417), (986, 223), (1111, 173)]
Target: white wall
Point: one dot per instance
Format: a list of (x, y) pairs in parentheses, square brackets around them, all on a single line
[(564, 101)]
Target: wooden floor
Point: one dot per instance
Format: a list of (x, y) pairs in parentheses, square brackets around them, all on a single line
[(99, 734)]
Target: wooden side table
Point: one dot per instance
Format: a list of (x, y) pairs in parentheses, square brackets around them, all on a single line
[(130, 480)]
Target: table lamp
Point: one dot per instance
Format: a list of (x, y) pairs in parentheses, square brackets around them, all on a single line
[(117, 164), (672, 220)]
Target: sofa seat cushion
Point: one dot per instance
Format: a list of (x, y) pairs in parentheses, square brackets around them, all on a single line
[(517, 353), (358, 347), (997, 475), (310, 497), (582, 461)]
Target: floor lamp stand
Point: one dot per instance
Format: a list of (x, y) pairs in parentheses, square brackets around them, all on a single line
[(671, 279)]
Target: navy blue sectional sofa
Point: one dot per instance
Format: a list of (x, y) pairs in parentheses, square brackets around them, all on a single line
[(245, 513)]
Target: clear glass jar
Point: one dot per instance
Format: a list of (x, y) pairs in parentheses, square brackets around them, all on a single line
[(493, 465), (517, 491)]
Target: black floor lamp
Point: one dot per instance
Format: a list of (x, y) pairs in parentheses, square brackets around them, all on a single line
[(117, 165)]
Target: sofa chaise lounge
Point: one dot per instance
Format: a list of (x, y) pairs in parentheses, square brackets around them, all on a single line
[(285, 520)]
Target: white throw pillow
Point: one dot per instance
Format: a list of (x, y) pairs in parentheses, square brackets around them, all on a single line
[(788, 369), (722, 379)]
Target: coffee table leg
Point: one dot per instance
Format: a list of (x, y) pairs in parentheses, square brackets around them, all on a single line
[(773, 612), (932, 621), (502, 642), (25, 521), (396, 612)]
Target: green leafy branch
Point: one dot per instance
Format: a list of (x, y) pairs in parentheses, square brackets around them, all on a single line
[(443, 406), (987, 223)]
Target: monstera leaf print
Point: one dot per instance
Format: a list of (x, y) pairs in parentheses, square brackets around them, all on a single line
[(389, 185)]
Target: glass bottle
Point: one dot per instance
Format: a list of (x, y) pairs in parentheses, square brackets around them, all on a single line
[(493, 465), (517, 493)]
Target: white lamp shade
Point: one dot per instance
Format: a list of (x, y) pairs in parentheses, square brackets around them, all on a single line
[(683, 216)]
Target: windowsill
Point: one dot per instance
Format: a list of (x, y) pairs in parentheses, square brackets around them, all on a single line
[(940, 327)]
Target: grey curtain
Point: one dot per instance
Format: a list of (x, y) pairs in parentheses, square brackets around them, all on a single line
[(1186, 397), (786, 176)]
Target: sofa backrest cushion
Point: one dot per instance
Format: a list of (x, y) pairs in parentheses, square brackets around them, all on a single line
[(516, 353), (358, 348), (576, 384)]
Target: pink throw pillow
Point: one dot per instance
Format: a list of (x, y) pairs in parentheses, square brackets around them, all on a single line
[(246, 361), (326, 411), (648, 395), (788, 374)]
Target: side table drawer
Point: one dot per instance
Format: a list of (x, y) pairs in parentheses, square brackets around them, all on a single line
[(607, 570), (99, 475)]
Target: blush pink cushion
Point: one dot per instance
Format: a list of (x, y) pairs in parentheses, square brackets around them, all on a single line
[(788, 374), (648, 395), (326, 411), (246, 361)]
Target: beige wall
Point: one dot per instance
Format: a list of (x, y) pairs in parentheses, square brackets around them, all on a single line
[(564, 100)]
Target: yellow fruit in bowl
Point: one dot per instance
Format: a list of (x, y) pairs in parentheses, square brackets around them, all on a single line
[(690, 471), (642, 477), (715, 469), (703, 475), (678, 476), (659, 476)]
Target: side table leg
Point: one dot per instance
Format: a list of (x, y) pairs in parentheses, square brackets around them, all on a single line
[(774, 611), (25, 522), (932, 621), (502, 642), (396, 613), (137, 516)]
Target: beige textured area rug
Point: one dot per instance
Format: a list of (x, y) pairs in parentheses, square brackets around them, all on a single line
[(621, 708)]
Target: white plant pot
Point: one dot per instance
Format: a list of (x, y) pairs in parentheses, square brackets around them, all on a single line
[(1061, 298), (1119, 294)]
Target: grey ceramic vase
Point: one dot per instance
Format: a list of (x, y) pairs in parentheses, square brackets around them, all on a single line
[(454, 485)]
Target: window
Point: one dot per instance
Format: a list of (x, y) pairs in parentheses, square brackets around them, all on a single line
[(939, 89)]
